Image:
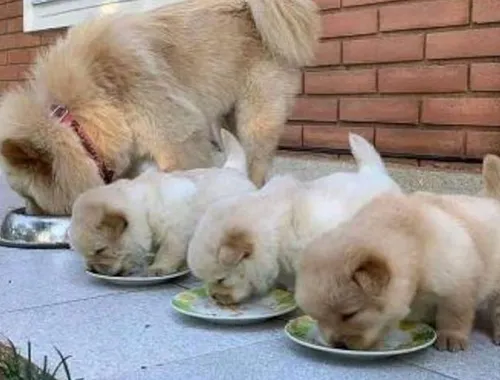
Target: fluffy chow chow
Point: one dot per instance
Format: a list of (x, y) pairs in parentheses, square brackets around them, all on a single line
[(124, 89), (422, 256), (143, 226), (243, 246)]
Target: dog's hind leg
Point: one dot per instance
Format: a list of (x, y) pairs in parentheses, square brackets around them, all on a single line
[(196, 151), (261, 113), (495, 317)]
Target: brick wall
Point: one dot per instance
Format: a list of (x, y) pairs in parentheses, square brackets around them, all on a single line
[(420, 78), (17, 49)]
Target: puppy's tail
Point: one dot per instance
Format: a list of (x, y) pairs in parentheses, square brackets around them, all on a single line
[(289, 28), (365, 154), (235, 155), (491, 176)]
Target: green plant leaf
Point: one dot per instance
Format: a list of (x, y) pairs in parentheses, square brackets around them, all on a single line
[(200, 292)]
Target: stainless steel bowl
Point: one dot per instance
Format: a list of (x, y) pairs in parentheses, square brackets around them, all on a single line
[(34, 231)]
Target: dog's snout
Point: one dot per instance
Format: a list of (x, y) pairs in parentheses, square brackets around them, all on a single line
[(340, 345), (224, 299), (104, 269)]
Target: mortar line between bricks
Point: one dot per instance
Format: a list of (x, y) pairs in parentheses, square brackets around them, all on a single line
[(406, 361), (30, 308)]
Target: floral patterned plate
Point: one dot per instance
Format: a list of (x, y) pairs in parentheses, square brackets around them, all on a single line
[(408, 337), (197, 303)]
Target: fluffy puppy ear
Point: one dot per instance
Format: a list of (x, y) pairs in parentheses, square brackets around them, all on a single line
[(236, 247), (372, 275), (113, 224), (24, 155)]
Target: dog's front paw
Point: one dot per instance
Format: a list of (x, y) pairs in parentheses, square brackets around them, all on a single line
[(453, 342), (160, 270), (496, 337)]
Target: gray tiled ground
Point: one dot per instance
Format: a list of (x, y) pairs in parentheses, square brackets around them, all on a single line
[(120, 333)]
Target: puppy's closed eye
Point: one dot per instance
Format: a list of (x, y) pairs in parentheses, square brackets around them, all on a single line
[(100, 251), (348, 316)]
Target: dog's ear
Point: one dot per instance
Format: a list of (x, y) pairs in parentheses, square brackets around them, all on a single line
[(372, 275), (22, 154), (235, 247), (113, 224)]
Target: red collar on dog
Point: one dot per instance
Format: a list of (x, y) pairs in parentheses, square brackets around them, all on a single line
[(65, 118)]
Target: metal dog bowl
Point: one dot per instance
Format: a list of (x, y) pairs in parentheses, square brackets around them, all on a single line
[(34, 231)]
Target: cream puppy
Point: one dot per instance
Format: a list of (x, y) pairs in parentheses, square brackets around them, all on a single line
[(242, 245), (420, 256), (122, 228)]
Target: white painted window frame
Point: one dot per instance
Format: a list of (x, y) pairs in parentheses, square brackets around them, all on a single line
[(51, 14)]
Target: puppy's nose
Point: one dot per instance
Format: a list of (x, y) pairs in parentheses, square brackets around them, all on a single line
[(339, 345), (224, 299), (105, 269)]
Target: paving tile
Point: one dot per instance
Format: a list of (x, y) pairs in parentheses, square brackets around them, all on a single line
[(480, 361), (121, 333), (278, 360), (31, 278)]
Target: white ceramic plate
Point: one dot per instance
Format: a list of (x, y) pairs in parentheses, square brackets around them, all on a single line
[(408, 337), (197, 303), (137, 281)]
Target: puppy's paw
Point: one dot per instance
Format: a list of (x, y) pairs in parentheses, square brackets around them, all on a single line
[(496, 338), (453, 342)]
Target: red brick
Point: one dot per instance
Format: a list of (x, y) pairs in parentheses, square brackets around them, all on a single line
[(485, 77), (353, 3), (3, 57), (327, 4), (384, 110), (292, 136), (15, 25), (464, 43), (10, 10), (461, 111), (315, 109), (481, 143), (332, 136), (420, 142), (20, 56), (427, 14), (3, 26), (12, 72), (328, 53), (449, 78), (349, 23), (340, 82), (484, 11), (384, 49), (18, 40)]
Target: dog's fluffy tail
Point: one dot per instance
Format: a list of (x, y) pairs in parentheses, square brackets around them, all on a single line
[(289, 28), (235, 154), (365, 154), (491, 176)]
